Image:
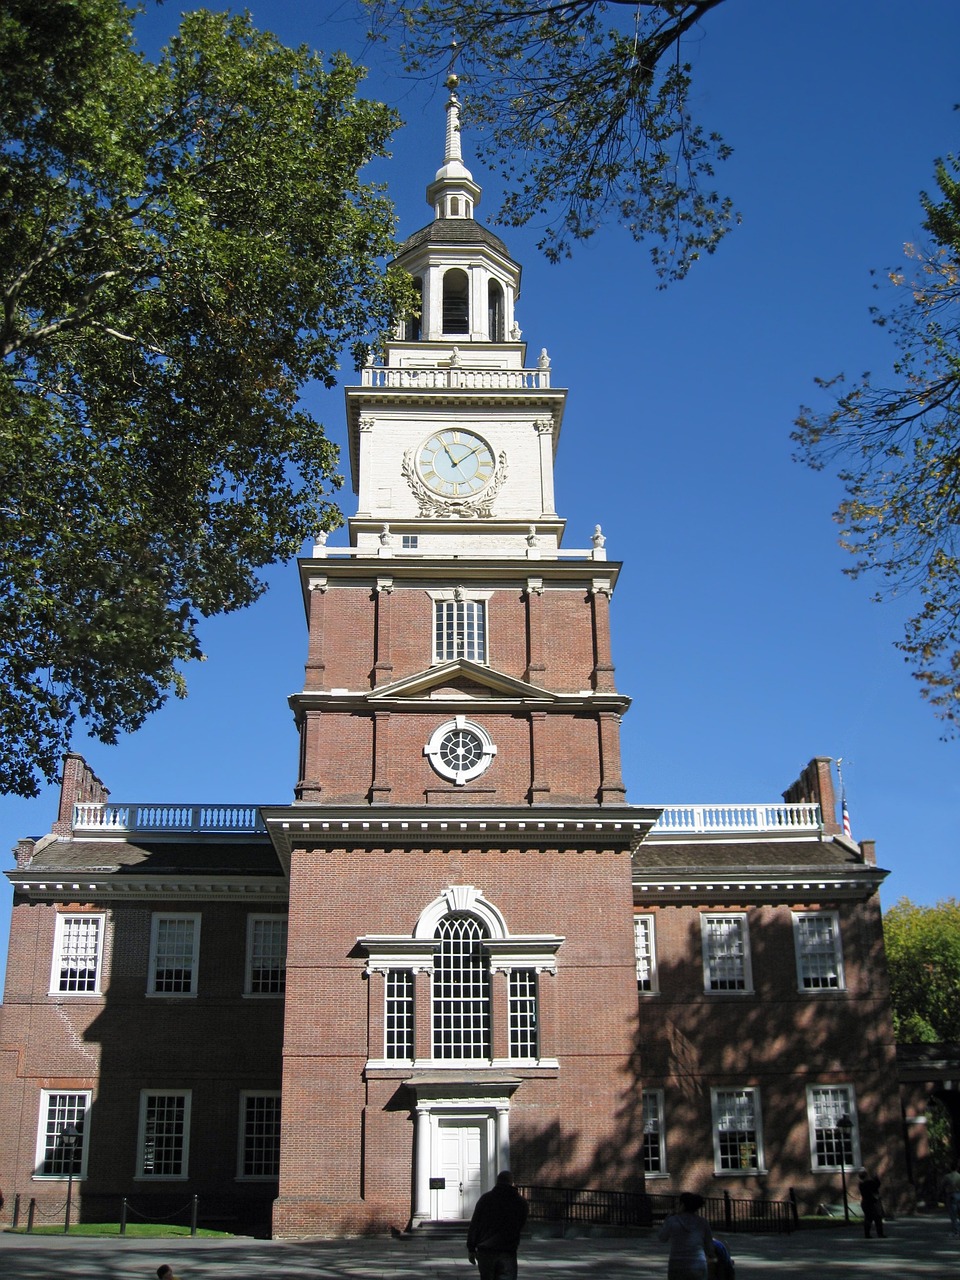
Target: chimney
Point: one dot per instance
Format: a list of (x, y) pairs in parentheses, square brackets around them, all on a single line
[(815, 786), (78, 785)]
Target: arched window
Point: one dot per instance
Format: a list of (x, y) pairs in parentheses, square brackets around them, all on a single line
[(461, 990), (495, 312), (413, 325), (456, 305)]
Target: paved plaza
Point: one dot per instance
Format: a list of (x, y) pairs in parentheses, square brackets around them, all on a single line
[(913, 1247)]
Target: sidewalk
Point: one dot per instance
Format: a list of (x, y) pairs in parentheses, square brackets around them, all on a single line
[(913, 1247)]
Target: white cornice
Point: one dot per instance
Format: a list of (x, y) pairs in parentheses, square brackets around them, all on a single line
[(732, 884), (49, 886)]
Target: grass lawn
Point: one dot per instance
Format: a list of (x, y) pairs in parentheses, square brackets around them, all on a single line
[(140, 1230)]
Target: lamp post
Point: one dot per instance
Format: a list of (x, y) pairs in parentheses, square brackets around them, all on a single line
[(69, 1136), (844, 1125)]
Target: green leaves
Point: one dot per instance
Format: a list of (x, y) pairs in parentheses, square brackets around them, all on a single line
[(923, 955), (184, 246), (583, 108), (898, 446)]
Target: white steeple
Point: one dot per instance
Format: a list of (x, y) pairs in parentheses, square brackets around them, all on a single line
[(453, 192)]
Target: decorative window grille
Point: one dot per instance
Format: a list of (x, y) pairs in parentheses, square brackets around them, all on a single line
[(174, 955), (645, 948), (819, 953), (267, 955), (737, 1130), (460, 630), (654, 1155), (461, 991), (77, 955), (832, 1145), (726, 960), (55, 1158), (260, 1129), (398, 1015), (165, 1125), (522, 1018)]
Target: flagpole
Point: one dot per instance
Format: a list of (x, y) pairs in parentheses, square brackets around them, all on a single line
[(844, 812)]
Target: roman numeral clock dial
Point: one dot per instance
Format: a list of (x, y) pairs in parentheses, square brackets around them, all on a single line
[(455, 464)]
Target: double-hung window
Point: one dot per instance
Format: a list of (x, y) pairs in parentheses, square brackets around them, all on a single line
[(259, 1135), (77, 952), (461, 990), (164, 1138), (460, 630), (834, 1134), (737, 1140), (726, 953), (174, 951), (398, 1016), (522, 1016), (58, 1157), (266, 956), (645, 949), (819, 951), (654, 1148)]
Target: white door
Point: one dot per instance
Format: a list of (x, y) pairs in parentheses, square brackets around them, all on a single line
[(459, 1162)]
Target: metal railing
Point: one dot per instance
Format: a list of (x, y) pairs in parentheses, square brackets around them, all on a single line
[(695, 819), (639, 1209)]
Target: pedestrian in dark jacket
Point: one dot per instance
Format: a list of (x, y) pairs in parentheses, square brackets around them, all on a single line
[(871, 1203), (494, 1234)]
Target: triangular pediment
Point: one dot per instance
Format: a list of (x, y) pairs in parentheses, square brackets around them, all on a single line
[(461, 681)]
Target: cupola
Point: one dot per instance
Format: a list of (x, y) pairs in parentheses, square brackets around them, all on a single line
[(466, 278)]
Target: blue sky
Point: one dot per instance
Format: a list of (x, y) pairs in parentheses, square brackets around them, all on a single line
[(745, 649)]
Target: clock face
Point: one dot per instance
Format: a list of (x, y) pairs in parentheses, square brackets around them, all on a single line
[(455, 463)]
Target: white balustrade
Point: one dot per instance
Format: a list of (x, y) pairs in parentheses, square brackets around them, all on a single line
[(145, 819), (697, 819), (455, 376)]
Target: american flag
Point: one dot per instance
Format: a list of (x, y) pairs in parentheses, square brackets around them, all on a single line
[(845, 814)]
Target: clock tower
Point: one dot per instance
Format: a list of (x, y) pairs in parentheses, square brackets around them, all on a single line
[(461, 951)]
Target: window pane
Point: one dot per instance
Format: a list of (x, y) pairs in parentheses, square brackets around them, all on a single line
[(173, 968), (79, 953), (461, 991), (460, 630), (725, 953), (833, 1144), (58, 1158), (523, 1013), (818, 946), (652, 1132), (164, 1135), (261, 1136), (736, 1121), (643, 946), (268, 956), (398, 1016)]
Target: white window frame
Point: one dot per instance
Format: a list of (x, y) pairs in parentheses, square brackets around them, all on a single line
[(739, 919), (409, 542), (64, 919), (434, 750), (842, 1102), (652, 1120), (245, 1097), (79, 1114), (806, 953), (183, 1175), (280, 920), (157, 917), (393, 1003), (523, 1013), (716, 1100), (645, 952), (458, 597)]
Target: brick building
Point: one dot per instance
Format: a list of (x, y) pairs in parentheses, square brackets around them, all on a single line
[(459, 947)]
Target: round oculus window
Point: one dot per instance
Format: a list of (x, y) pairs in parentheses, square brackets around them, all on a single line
[(460, 750)]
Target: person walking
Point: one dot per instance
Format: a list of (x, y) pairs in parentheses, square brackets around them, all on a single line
[(950, 1188), (494, 1233), (690, 1238), (871, 1203)]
